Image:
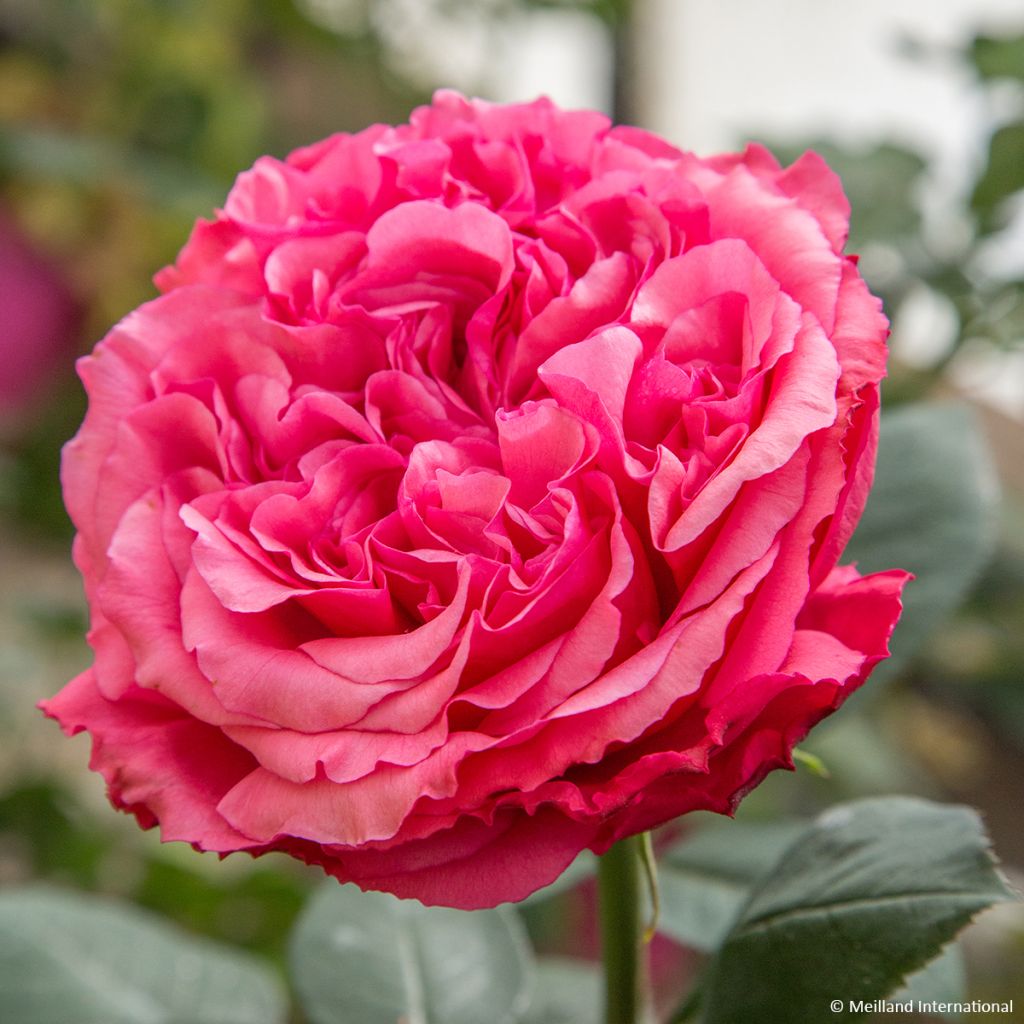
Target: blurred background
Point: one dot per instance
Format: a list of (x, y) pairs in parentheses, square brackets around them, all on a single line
[(121, 121)]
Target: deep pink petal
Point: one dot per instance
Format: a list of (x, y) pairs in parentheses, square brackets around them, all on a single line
[(160, 763)]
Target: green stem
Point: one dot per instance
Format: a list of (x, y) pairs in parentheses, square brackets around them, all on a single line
[(621, 881)]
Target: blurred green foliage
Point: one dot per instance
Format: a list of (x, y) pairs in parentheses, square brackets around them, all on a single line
[(69, 956), (57, 841), (121, 120)]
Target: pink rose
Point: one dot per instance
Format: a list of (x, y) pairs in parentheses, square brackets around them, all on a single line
[(473, 495)]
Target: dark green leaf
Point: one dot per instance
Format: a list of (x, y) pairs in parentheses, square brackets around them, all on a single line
[(68, 957), (933, 511), (1003, 174), (706, 879), (368, 958), (41, 815), (998, 57), (568, 992), (868, 895), (255, 910)]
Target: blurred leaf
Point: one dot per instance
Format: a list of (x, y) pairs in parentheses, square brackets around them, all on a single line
[(55, 844), (30, 489), (369, 958), (944, 980), (56, 32), (814, 764), (1003, 174), (881, 184), (933, 511), (1001, 315), (864, 760), (882, 187), (256, 911), (706, 878), (1001, 57), (568, 991), (69, 957), (105, 163), (866, 896)]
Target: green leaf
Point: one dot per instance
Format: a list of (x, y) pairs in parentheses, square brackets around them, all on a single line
[(40, 814), (1003, 174), (99, 162), (568, 991), (882, 184), (369, 958), (65, 956), (933, 511), (866, 896), (706, 878), (814, 764), (994, 57), (256, 909), (1000, 316)]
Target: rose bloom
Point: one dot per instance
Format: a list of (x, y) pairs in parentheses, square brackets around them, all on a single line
[(473, 495)]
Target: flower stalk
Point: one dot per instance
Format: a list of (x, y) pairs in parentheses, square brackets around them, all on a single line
[(622, 882)]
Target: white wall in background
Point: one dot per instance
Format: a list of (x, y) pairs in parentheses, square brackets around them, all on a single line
[(717, 71), (564, 54)]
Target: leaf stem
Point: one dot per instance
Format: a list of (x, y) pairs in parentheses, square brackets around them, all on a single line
[(621, 885), (650, 866)]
